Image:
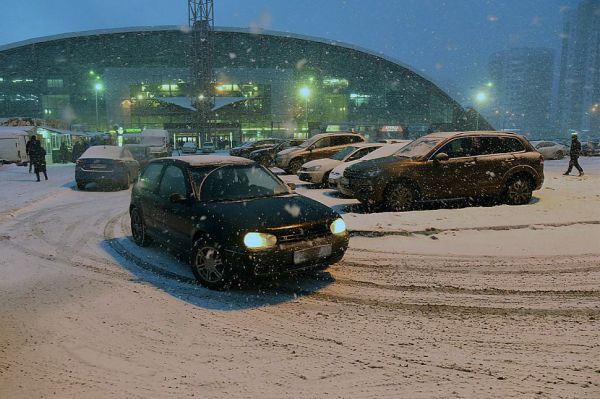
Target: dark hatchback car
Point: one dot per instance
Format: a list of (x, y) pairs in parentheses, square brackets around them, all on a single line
[(234, 218), (245, 149), (266, 156), (443, 166), (106, 165)]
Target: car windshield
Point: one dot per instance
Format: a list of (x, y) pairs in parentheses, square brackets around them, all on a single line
[(233, 183), (340, 155), (309, 142), (419, 148)]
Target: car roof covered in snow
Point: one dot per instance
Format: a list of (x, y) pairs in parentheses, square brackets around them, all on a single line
[(211, 160), (470, 133), (104, 152)]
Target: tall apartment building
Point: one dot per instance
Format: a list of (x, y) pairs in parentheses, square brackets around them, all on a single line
[(522, 90), (578, 102)]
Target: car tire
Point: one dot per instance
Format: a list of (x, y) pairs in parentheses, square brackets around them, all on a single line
[(138, 229), (400, 197), (559, 155), (209, 265), (294, 166), (81, 185), (518, 191)]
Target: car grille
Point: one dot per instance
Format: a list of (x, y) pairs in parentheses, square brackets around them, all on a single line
[(349, 173), (303, 233)]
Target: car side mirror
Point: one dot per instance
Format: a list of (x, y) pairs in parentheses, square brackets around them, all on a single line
[(441, 157), (292, 186), (177, 198)]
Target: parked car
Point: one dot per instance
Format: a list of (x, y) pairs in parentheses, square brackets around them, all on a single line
[(317, 171), (208, 148), (245, 149), (141, 153), (384, 151), (590, 149), (319, 146), (234, 217), (106, 164), (550, 149), (266, 156), (189, 147), (442, 166)]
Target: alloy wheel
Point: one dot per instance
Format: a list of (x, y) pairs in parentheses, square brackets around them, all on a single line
[(209, 264), (400, 198), (519, 192)]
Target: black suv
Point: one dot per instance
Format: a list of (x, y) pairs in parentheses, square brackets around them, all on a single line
[(449, 165), (245, 149), (234, 217)]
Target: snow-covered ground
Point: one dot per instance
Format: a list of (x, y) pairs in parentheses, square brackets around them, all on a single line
[(463, 302)]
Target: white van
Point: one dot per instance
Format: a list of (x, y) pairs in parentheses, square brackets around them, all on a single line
[(12, 144)]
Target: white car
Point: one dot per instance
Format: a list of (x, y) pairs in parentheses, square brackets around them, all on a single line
[(208, 148), (550, 149), (382, 152), (317, 171), (189, 147)]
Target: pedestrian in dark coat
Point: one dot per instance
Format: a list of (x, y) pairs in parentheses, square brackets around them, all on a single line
[(38, 158), (574, 153), (28, 147)]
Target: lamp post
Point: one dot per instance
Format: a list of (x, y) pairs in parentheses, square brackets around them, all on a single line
[(305, 93), (97, 88), (481, 97)]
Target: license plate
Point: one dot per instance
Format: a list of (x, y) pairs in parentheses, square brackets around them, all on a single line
[(97, 166), (305, 255)]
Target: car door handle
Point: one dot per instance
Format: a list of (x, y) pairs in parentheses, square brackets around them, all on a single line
[(470, 163)]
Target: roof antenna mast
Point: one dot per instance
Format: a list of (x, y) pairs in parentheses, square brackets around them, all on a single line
[(202, 23)]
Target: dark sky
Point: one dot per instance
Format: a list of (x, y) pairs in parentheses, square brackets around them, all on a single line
[(449, 41)]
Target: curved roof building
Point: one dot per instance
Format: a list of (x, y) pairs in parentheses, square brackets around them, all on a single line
[(268, 83)]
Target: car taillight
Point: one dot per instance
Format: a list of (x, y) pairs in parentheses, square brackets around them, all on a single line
[(79, 162), (541, 159)]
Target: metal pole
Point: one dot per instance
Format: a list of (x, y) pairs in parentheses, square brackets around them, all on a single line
[(97, 110), (306, 116)]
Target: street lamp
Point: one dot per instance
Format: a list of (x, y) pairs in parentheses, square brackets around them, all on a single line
[(305, 93), (481, 97), (97, 87)]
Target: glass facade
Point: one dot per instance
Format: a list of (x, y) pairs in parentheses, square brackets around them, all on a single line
[(267, 84)]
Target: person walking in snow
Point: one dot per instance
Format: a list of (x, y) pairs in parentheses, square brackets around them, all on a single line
[(38, 158), (28, 147), (575, 152)]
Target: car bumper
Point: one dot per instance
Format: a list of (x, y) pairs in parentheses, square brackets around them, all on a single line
[(311, 177), (82, 176), (285, 258), (361, 189)]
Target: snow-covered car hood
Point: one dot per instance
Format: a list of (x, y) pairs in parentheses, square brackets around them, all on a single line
[(287, 151), (338, 171), (325, 163)]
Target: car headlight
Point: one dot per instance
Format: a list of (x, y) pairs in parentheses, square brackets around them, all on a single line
[(313, 168), (374, 172), (259, 240), (334, 175), (338, 226)]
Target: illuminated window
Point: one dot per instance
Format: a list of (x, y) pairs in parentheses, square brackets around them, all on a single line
[(359, 99), (55, 83), (335, 82)]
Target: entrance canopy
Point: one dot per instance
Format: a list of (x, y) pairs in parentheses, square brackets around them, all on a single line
[(186, 102)]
